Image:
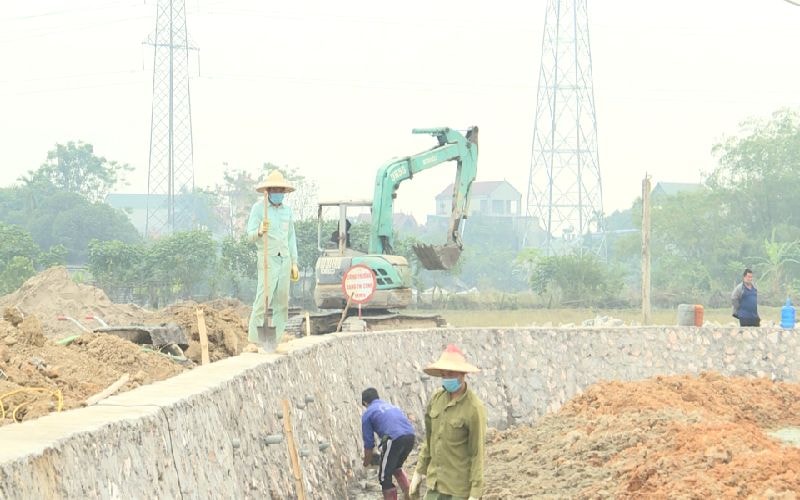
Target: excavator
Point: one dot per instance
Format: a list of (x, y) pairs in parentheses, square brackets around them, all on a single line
[(392, 272)]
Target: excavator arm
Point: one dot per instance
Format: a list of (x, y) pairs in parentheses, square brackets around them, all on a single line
[(453, 146)]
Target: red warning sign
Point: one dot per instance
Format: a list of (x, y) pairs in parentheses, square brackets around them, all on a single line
[(358, 284)]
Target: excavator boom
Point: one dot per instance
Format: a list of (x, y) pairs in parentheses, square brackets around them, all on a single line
[(453, 146)]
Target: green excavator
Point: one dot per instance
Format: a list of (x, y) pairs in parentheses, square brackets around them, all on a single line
[(392, 273)]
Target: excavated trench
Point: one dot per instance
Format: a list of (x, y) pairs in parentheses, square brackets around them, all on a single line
[(221, 431)]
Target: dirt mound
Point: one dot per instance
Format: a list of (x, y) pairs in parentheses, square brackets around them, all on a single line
[(227, 335), (52, 293), (38, 376), (677, 436), (228, 303)]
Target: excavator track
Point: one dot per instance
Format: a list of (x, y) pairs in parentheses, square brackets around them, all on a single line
[(325, 322)]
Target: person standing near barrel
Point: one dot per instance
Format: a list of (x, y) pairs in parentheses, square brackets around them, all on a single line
[(745, 301)]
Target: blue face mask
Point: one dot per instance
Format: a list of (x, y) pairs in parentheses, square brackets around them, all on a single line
[(451, 384), (276, 198)]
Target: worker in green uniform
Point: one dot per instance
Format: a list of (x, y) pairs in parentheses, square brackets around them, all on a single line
[(451, 456), (281, 253)]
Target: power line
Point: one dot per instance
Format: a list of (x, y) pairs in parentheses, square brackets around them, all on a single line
[(105, 5), (44, 34), (73, 77), (82, 87)]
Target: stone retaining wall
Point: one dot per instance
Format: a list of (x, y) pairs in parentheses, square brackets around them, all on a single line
[(207, 433)]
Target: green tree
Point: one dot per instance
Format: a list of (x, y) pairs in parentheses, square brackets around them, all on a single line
[(693, 245), (757, 173), (182, 261), (76, 226), (238, 263), (115, 263), (580, 279), (778, 258), (16, 242), (74, 167), (205, 205), (20, 256), (18, 252), (55, 218), (238, 191), (14, 273)]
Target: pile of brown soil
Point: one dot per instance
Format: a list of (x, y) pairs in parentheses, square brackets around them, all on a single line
[(677, 436), (227, 335), (231, 304), (52, 293), (38, 376)]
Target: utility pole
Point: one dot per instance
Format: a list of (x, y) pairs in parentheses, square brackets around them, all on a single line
[(170, 174), (564, 188), (646, 316)]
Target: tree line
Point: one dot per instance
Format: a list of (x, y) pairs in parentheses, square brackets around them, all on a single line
[(747, 214)]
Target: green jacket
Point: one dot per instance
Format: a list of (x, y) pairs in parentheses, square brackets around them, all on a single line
[(452, 453), (281, 238)]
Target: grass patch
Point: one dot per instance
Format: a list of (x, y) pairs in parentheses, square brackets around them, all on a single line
[(528, 317)]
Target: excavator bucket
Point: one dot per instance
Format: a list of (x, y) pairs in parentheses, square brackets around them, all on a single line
[(437, 257)]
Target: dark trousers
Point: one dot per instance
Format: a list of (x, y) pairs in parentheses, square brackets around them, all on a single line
[(749, 321), (393, 455)]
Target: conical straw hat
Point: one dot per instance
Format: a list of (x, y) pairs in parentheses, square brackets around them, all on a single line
[(275, 179), (452, 359)]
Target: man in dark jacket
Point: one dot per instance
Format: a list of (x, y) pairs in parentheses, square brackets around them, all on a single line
[(396, 436), (745, 301)]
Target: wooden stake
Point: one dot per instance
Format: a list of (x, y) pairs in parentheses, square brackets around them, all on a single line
[(287, 430), (201, 328), (308, 324), (344, 315), (108, 391)]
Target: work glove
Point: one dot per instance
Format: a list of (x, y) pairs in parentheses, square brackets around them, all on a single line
[(263, 228), (417, 478), (295, 273)]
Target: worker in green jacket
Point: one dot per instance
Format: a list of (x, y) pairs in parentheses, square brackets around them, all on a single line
[(451, 456), (281, 254)]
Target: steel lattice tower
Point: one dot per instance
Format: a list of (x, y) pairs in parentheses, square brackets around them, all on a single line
[(564, 189), (170, 175)]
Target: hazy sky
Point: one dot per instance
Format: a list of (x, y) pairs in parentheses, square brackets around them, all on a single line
[(334, 88)]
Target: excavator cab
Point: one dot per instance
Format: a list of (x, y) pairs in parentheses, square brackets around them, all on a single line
[(338, 242), (392, 273)]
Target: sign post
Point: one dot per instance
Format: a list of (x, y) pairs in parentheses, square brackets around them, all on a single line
[(359, 285)]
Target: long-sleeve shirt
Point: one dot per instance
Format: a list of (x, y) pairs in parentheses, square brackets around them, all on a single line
[(453, 449), (281, 238), (745, 301), (383, 419)]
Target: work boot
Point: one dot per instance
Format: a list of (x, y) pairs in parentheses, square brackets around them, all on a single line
[(402, 480), (390, 494)]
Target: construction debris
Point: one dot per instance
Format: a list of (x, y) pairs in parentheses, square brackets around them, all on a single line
[(84, 364)]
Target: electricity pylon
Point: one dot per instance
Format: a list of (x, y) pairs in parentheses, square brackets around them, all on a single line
[(564, 189), (170, 175)]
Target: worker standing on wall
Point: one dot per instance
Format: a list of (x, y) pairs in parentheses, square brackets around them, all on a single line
[(452, 453), (281, 254), (396, 433), (744, 299)]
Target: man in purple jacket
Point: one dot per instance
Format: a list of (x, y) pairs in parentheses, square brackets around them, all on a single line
[(396, 436)]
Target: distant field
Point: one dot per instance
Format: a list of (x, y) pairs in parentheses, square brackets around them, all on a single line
[(526, 317)]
